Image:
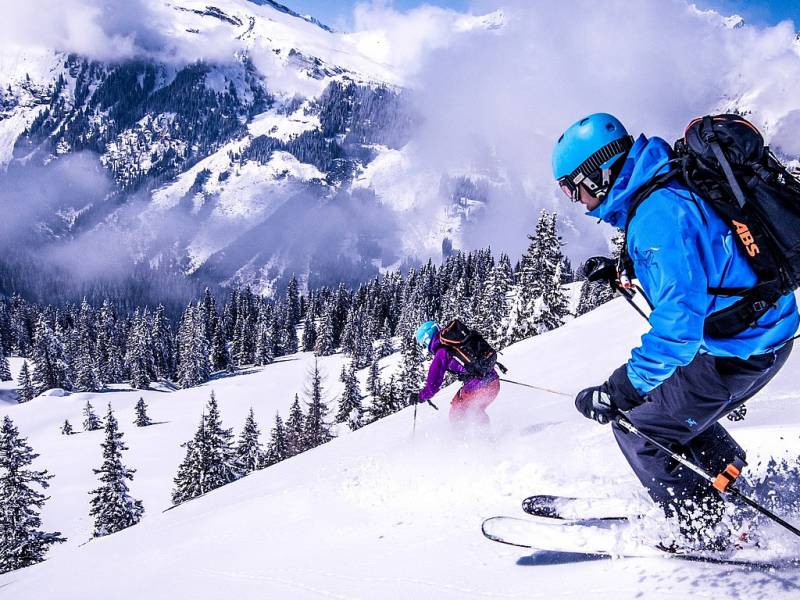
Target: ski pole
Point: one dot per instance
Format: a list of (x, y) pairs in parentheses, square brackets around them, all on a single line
[(722, 482), (536, 387), (414, 427)]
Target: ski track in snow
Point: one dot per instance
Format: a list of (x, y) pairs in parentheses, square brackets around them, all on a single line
[(377, 513)]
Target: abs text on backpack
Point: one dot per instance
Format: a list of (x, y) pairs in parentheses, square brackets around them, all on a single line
[(723, 160), (469, 348)]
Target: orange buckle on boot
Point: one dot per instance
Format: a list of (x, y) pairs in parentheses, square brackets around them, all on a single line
[(728, 476)]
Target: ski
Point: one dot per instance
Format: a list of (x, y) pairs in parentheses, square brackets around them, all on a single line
[(566, 508), (610, 539)]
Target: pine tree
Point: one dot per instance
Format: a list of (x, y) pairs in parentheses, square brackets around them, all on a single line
[(22, 543), (493, 307), (265, 346), (374, 379), (66, 428), (386, 346), (112, 506), (278, 447), (87, 377), (309, 332), (108, 351), (316, 430), (350, 409), (295, 426), (411, 377), (5, 369), (142, 420), (139, 352), (220, 356), (326, 341), (25, 390), (387, 402), (162, 344), (530, 284), (249, 453), (210, 460), (194, 364), (49, 359), (292, 303), (90, 420), (554, 306)]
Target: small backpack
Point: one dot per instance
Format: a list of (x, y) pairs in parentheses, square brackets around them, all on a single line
[(723, 160), (470, 348)]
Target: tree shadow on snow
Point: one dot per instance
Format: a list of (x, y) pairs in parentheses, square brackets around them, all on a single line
[(549, 558)]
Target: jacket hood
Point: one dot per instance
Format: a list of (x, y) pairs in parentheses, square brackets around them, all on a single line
[(647, 158)]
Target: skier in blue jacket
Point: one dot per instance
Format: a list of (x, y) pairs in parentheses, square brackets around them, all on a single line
[(678, 383)]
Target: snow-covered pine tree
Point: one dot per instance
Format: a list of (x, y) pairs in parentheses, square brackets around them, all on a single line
[(210, 460), (5, 369), (265, 347), (585, 299), (25, 391), (386, 345), (108, 352), (90, 420), (50, 369), (493, 307), (411, 377), (142, 420), (374, 379), (317, 430), (554, 305), (112, 506), (350, 409), (278, 447), (249, 454), (387, 402), (290, 342), (162, 344), (295, 425), (326, 339), (220, 356), (194, 365), (87, 377), (139, 352), (22, 543), (309, 332), (292, 303), (529, 287), (66, 428)]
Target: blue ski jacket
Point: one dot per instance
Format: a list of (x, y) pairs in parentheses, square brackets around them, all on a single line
[(680, 248)]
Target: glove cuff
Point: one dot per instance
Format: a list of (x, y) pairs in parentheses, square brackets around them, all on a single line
[(619, 387)]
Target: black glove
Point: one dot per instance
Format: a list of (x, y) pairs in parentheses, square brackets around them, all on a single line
[(602, 403), (595, 403), (413, 398)]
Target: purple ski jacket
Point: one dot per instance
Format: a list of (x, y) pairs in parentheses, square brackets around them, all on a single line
[(442, 363)]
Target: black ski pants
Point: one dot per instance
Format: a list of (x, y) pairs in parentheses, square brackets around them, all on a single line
[(683, 413)]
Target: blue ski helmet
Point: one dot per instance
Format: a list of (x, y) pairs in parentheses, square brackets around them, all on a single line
[(425, 333), (585, 152)]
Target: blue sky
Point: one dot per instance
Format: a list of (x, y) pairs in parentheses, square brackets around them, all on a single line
[(338, 13)]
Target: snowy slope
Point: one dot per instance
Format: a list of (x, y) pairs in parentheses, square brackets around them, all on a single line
[(379, 513)]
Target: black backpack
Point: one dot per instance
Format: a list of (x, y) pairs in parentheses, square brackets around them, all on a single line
[(724, 161), (470, 348)]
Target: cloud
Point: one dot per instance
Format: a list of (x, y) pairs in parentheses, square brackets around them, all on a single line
[(112, 30), (494, 100)]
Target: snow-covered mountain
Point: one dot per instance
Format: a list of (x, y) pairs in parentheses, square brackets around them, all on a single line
[(235, 141), (231, 143), (386, 511)]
